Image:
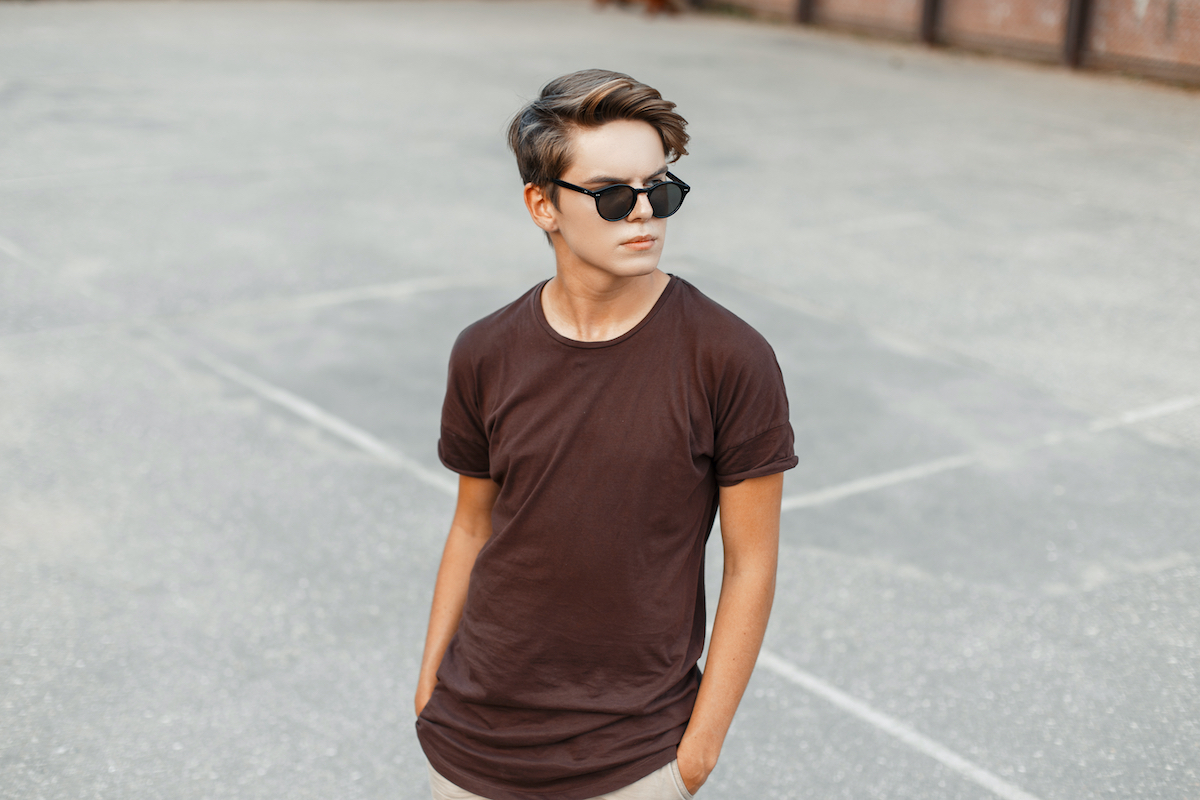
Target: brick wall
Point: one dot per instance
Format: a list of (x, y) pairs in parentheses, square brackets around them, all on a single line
[(888, 17), (1159, 38), (1032, 28), (1146, 33)]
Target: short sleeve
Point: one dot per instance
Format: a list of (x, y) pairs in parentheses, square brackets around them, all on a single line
[(753, 436), (463, 446)]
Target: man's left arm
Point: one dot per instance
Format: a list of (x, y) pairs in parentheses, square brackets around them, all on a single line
[(750, 537)]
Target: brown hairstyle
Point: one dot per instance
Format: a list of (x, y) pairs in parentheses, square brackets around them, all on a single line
[(540, 133)]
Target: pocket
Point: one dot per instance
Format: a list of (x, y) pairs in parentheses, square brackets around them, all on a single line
[(677, 778), (443, 788)]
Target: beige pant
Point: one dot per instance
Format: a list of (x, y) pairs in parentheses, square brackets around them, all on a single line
[(662, 784)]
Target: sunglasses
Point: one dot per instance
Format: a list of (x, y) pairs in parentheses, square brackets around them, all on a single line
[(614, 203)]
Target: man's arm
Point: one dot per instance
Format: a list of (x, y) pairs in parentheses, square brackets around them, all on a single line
[(750, 536), (472, 526)]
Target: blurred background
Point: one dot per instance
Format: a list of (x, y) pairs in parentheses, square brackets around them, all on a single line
[(237, 240)]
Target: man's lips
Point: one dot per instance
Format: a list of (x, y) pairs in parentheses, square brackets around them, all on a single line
[(640, 242)]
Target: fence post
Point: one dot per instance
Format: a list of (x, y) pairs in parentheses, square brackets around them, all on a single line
[(1076, 33), (931, 12)]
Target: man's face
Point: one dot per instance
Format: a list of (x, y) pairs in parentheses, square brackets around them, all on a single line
[(625, 151)]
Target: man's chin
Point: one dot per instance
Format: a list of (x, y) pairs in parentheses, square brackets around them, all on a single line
[(635, 267), (623, 266)]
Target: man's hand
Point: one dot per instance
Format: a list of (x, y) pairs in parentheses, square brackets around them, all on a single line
[(692, 768), (424, 692)]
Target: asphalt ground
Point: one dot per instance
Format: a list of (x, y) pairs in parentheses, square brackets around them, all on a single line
[(238, 239)]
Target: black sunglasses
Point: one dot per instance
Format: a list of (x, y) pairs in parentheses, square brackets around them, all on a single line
[(614, 203)]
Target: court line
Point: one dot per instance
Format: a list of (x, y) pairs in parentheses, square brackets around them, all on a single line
[(893, 340), (312, 413), (879, 223), (1147, 412), (873, 482), (893, 727), (395, 290), (830, 494), (10, 248)]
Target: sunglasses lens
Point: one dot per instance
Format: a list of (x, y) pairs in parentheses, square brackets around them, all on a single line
[(665, 199), (615, 202)]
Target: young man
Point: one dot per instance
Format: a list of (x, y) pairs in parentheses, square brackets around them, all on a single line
[(597, 424)]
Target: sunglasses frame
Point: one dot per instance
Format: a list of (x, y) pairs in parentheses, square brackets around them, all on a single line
[(646, 191)]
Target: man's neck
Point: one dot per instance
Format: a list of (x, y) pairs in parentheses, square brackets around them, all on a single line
[(598, 308)]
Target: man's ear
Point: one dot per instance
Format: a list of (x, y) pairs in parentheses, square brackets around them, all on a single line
[(541, 210)]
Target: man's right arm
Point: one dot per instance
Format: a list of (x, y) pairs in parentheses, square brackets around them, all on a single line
[(472, 526)]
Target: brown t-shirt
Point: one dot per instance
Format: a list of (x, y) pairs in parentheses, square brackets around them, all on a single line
[(573, 671)]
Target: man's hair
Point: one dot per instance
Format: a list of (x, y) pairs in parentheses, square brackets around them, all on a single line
[(540, 133)]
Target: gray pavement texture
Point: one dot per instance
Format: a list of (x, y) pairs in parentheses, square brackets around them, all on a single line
[(238, 239)]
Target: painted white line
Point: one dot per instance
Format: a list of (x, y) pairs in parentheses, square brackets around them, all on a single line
[(1147, 412), (883, 222), (381, 291), (395, 290), (917, 471), (871, 483), (893, 727), (311, 412), (10, 248), (318, 416), (904, 345)]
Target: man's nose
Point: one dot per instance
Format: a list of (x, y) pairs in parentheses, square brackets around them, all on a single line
[(642, 210)]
